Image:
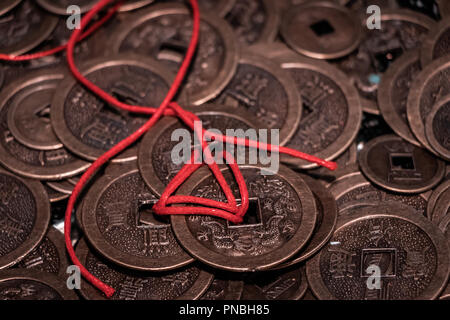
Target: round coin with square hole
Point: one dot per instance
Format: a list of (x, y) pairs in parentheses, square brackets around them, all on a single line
[(437, 44), (279, 222), (88, 126), (165, 29), (407, 251), (118, 221), (36, 89), (328, 31), (399, 166)]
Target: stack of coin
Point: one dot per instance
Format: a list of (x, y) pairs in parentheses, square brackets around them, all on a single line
[(323, 74)]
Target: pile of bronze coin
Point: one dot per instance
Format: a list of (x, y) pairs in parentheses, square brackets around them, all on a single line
[(375, 99)]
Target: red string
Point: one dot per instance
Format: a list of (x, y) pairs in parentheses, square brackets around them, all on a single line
[(228, 210)]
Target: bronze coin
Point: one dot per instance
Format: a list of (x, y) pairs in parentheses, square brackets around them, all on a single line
[(118, 221), (444, 225), (26, 26), (89, 127), (327, 214), (24, 217), (286, 284), (36, 88), (219, 7), (399, 166), (410, 252), (20, 284), (280, 220), (331, 113), (254, 21), (7, 5), (60, 6), (328, 31), (393, 93), (261, 87), (163, 31), (188, 283), (401, 30), (437, 128), (224, 287), (444, 8), (436, 45), (428, 87), (435, 196), (155, 162), (49, 256), (353, 191), (309, 296)]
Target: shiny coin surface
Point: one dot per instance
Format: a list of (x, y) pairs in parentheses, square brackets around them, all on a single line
[(60, 6), (224, 287), (353, 192), (399, 166), (48, 256), (188, 283), (263, 88), (286, 284), (437, 44), (155, 153), (24, 217), (163, 32), (20, 284), (327, 214), (435, 196), (280, 220), (24, 27), (437, 128), (328, 31), (88, 126), (7, 5), (34, 94), (331, 113), (428, 87), (393, 93), (254, 21), (410, 253), (118, 221), (401, 30)]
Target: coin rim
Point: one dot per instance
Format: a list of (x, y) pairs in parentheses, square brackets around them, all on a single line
[(435, 197), (6, 7), (41, 221), (388, 112), (429, 43), (429, 130)]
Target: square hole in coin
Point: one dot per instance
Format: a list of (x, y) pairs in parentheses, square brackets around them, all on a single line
[(402, 162), (384, 258), (322, 28), (253, 217), (146, 217), (124, 94)]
